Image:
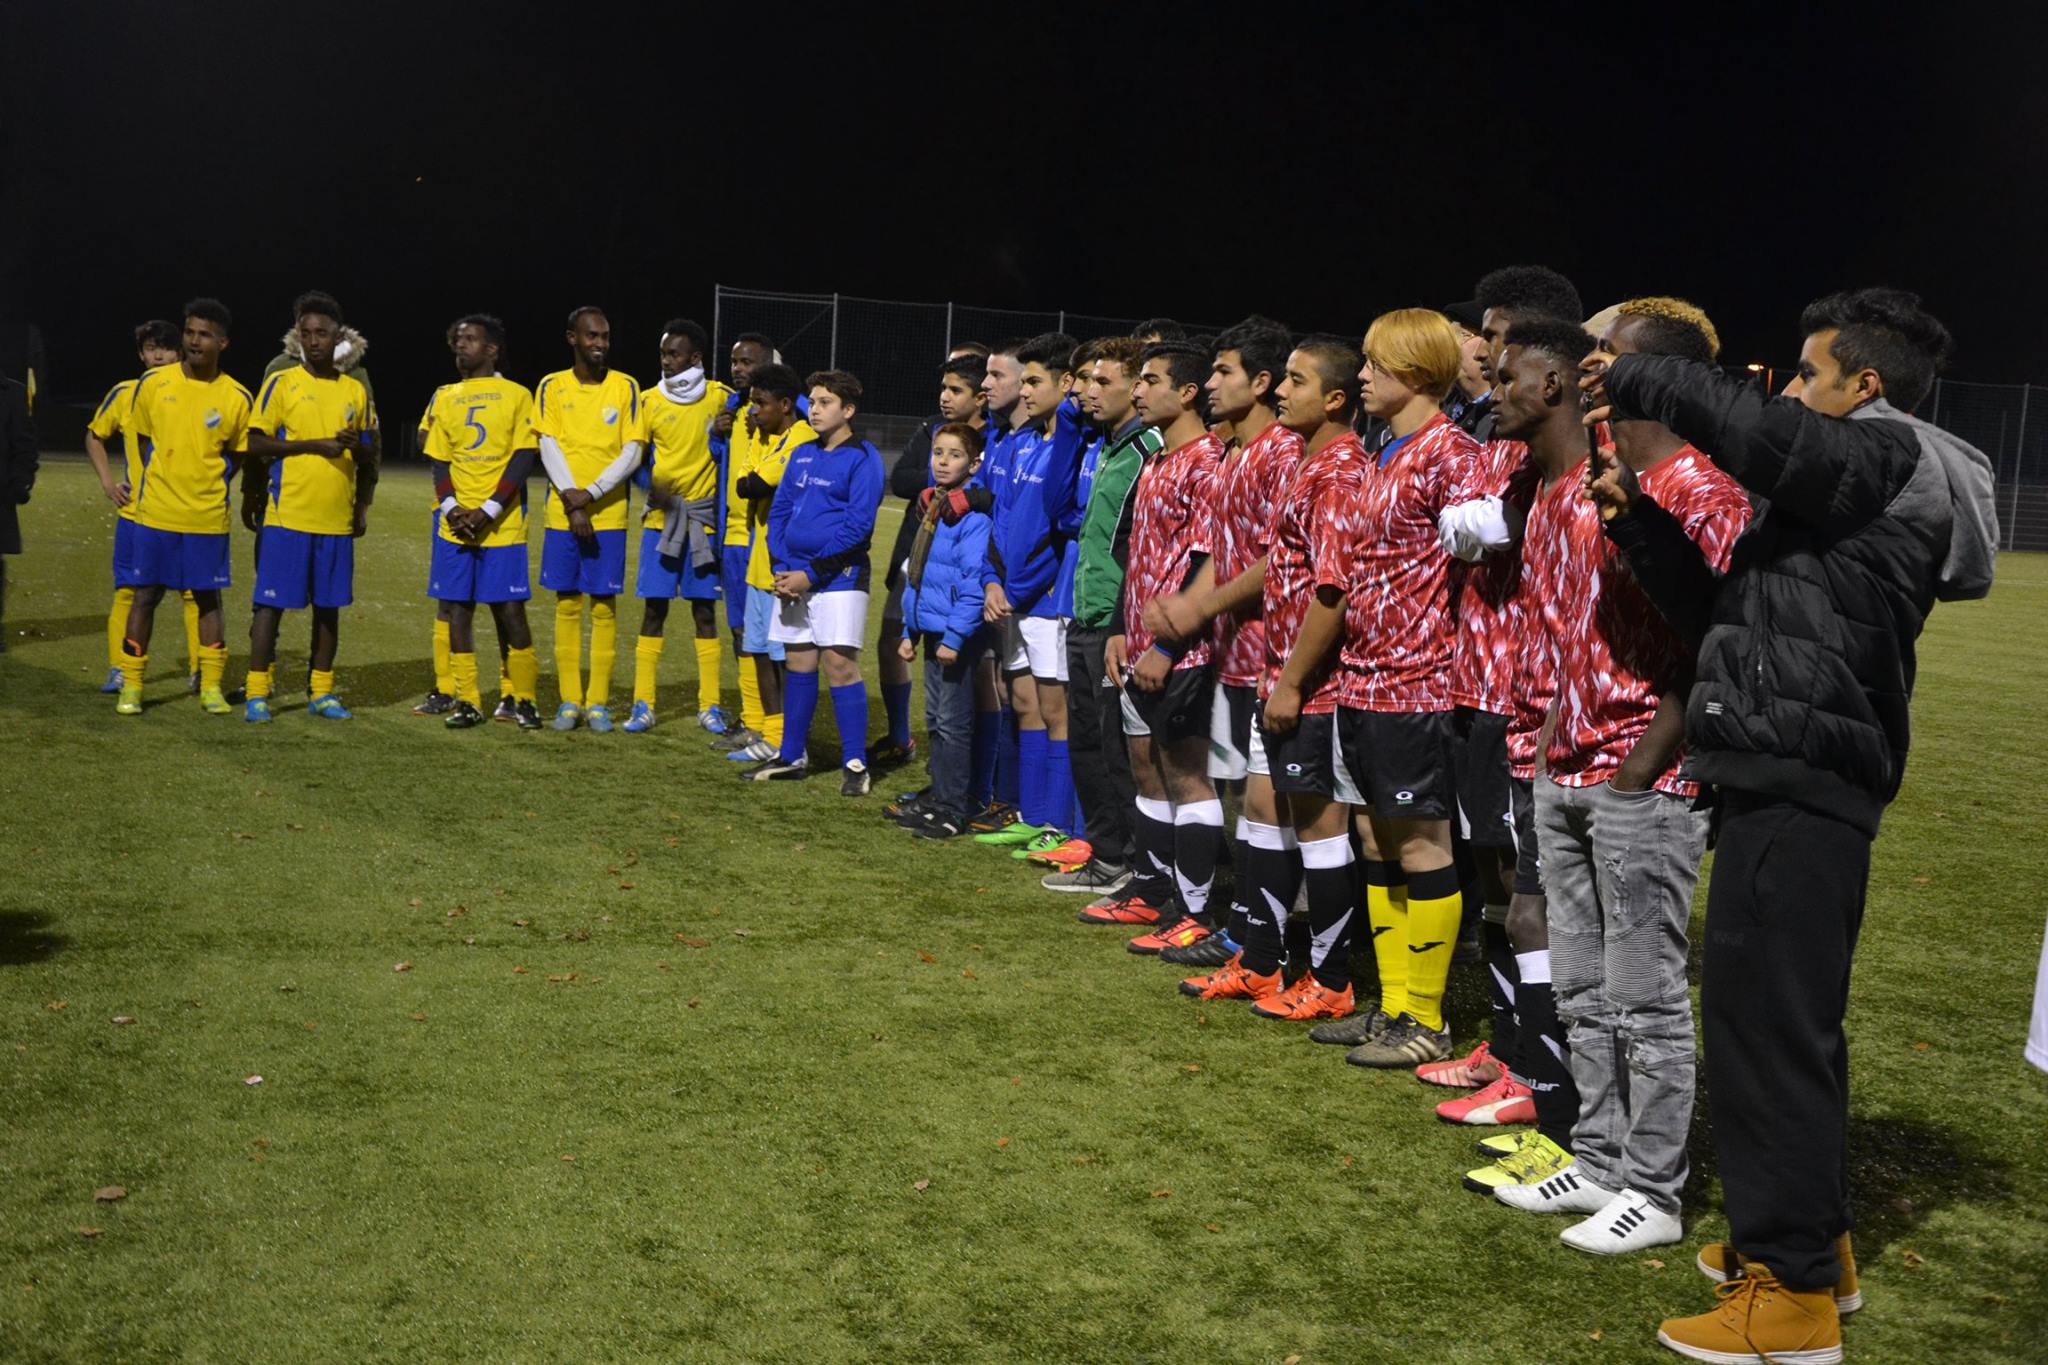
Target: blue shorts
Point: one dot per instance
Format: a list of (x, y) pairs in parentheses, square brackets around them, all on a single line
[(124, 553), (298, 568), (189, 561), (478, 573), (596, 566), (761, 606), (733, 568), (661, 576)]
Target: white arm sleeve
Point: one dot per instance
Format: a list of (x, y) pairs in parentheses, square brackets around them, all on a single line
[(492, 507), (1469, 529), (448, 504), (617, 472), (556, 463)]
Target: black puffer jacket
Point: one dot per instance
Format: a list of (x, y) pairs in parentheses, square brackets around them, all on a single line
[(1806, 647)]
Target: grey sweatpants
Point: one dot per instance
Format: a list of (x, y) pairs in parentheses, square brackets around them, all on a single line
[(1619, 870)]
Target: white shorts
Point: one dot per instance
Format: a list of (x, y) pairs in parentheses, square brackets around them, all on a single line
[(1039, 644), (829, 620)]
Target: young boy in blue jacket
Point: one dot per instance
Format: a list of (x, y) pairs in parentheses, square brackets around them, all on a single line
[(819, 529), (942, 605)]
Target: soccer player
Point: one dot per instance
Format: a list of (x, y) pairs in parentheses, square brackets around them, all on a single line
[(1517, 293), (479, 433), (820, 528), (1008, 696), (440, 700), (156, 343), (732, 438), (192, 421), (1469, 402), (586, 419), (1168, 686), (1870, 516), (308, 425), (773, 433), (1621, 841), (18, 463), (678, 540)]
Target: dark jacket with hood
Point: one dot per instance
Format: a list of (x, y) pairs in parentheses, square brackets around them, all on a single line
[(17, 461)]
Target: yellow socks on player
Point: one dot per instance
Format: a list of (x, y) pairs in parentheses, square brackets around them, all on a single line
[(1386, 907), (569, 649), (322, 683), (117, 624), (522, 674), (646, 660), (751, 715), (193, 657), (258, 684), (444, 678), (131, 667), (213, 662), (1435, 907), (771, 730), (462, 678), (604, 644), (708, 653)]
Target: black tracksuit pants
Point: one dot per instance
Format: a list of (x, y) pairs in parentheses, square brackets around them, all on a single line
[(1096, 752)]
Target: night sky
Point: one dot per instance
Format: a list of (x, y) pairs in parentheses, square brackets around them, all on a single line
[(422, 161)]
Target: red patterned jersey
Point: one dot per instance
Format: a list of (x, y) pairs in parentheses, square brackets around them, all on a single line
[(1489, 611), (1612, 651), (1173, 519), (1531, 688), (1248, 487), (1398, 627), (1308, 549)]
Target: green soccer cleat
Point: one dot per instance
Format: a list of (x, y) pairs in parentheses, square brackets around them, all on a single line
[(1044, 843), (1532, 1163), (327, 706), (1015, 833), (566, 716), (214, 703), (130, 703)]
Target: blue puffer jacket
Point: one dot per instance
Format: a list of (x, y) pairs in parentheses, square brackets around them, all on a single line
[(947, 601)]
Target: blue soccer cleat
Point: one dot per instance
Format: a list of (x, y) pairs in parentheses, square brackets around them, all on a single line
[(327, 706), (714, 719), (113, 682), (599, 719), (256, 709), (566, 716), (641, 721)]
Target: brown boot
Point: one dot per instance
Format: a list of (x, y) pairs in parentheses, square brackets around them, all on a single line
[(1717, 1261), (1759, 1319)]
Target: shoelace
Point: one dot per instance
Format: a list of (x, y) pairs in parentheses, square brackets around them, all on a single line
[(1745, 1288)]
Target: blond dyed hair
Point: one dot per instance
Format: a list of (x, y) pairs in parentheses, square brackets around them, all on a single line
[(1418, 346), (1674, 310)]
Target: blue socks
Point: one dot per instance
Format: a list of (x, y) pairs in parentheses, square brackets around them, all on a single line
[(981, 771), (896, 701), (799, 704), (1059, 787), (850, 710), (1009, 787), (1031, 776)]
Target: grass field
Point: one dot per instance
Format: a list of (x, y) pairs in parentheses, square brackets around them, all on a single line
[(573, 1048)]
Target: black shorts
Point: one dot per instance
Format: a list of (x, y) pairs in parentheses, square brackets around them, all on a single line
[(1528, 860), (1397, 762), (1178, 711), (1230, 731), (1305, 758), (1479, 765)]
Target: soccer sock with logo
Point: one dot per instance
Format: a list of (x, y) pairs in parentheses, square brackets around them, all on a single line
[(1233, 926), (1007, 788), (569, 649), (1386, 906), (213, 662), (646, 660), (752, 717), (462, 677), (981, 772), (1270, 877), (708, 657), (604, 646), (1155, 851), (1500, 982), (522, 674), (1546, 1058), (799, 704), (258, 684), (1197, 838), (444, 676), (896, 703), (192, 646), (1435, 908), (320, 683), (1331, 871), (850, 711), (117, 624), (1059, 787), (1031, 776)]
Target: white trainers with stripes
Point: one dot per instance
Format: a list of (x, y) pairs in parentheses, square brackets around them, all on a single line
[(1628, 1223), (1565, 1192)]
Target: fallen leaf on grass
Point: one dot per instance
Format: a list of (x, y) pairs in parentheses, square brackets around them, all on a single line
[(689, 942), (519, 971), (1654, 1263), (1192, 1066), (922, 1185), (673, 842), (402, 967), (1914, 1260), (1921, 881), (255, 1080), (295, 828), (1084, 1161), (1346, 1163), (520, 923), (469, 942), (1594, 1335), (968, 972), (88, 1232), (923, 956), (716, 912), (661, 966), (57, 1005), (625, 886), (124, 1018), (607, 919), (1016, 1080), (692, 1004), (569, 1157), (1002, 1142), (414, 902), (1291, 1360), (107, 1194), (1922, 1047), (458, 910), (419, 1018), (1213, 1227), (241, 834), (1161, 1194), (739, 933)]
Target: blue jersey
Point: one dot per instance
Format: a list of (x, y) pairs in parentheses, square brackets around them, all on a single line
[(1036, 496), (823, 517)]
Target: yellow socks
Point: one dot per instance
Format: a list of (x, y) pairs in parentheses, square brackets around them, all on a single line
[(213, 661), (646, 660), (321, 685), (444, 678), (131, 668), (750, 695), (192, 645), (708, 655), (569, 649), (1434, 909), (258, 684), (117, 624), (1386, 906), (522, 674), (462, 678), (771, 730), (604, 644)]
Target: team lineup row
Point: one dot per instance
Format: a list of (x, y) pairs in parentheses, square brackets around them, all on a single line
[(1431, 608)]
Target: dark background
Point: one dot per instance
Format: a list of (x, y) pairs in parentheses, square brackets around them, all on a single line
[(422, 160)]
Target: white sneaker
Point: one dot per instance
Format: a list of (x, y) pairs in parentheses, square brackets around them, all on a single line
[(1565, 1192), (1628, 1223)]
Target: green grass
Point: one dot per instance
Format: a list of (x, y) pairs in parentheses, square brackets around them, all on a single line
[(756, 1020)]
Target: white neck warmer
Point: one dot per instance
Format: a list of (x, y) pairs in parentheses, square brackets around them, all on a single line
[(686, 387)]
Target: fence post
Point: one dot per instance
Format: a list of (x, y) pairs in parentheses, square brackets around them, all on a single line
[(717, 305), (2019, 455), (949, 327), (1063, 321), (833, 364)]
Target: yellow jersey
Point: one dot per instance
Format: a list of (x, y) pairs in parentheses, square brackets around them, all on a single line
[(591, 423), (739, 457), (769, 456), (420, 442), (676, 444), (112, 416), (189, 432), (476, 425), (313, 493)]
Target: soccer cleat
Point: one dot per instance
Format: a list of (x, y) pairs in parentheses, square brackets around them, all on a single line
[(1046, 842), (887, 753), (1536, 1159), (1565, 1192), (640, 720), (256, 710), (713, 720), (1506, 1101), (1405, 1043), (1305, 999), (1065, 856), (905, 801), (1092, 878), (938, 826), (1628, 1223), (599, 719), (464, 717), (1470, 949), (735, 737), (192, 684), (566, 716), (857, 779), (910, 814), (214, 703), (1501, 1144), (1232, 982), (130, 702), (997, 815), (327, 706), (1477, 1068), (1758, 1318), (1185, 930), (436, 703), (1717, 1260), (506, 710), (1014, 834), (1359, 1028), (1121, 909), (773, 769), (760, 751), (113, 682), (527, 714), (1211, 951)]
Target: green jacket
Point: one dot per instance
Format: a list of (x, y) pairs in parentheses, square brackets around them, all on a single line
[(1105, 540)]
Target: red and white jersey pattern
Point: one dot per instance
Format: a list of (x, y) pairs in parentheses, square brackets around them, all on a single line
[(1398, 629), (1489, 610), (1173, 518), (1308, 549), (1612, 652), (1531, 687), (1248, 488)]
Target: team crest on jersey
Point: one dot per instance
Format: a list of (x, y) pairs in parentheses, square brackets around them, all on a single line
[(611, 416), (348, 414), (212, 417)]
